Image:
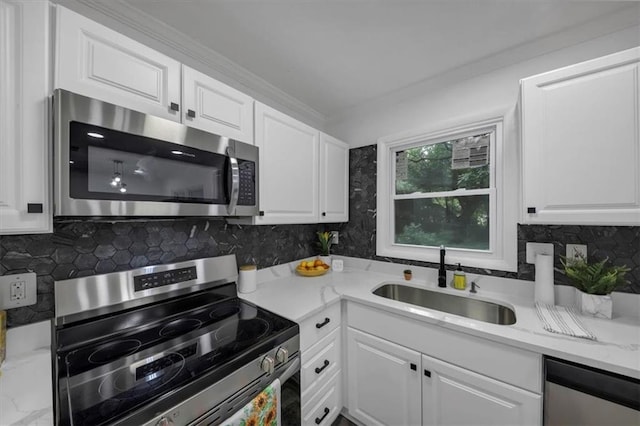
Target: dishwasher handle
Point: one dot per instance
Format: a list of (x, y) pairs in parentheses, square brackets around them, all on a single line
[(612, 387)]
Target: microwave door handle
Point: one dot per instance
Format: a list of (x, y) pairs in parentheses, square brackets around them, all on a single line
[(235, 183)]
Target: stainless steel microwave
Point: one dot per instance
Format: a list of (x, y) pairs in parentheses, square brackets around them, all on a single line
[(112, 161)]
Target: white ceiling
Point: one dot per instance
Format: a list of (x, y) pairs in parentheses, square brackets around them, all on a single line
[(336, 54)]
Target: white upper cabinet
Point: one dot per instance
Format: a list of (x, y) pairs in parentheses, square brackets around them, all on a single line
[(334, 180), (215, 107), (97, 62), (581, 148), (25, 205), (289, 166)]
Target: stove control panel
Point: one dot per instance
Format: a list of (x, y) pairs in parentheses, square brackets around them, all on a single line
[(159, 279)]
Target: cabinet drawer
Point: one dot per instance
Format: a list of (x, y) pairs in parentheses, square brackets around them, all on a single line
[(324, 407), (318, 326), (502, 362), (320, 362)]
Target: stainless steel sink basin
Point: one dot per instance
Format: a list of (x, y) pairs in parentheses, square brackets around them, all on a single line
[(464, 306)]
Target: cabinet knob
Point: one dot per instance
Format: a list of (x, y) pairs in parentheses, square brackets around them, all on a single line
[(324, 213), (191, 113), (174, 106), (414, 367), (427, 373), (531, 210)]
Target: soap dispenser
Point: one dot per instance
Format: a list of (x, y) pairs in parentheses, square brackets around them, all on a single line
[(459, 279)]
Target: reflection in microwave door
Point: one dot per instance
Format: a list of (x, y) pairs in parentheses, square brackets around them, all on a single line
[(145, 168)]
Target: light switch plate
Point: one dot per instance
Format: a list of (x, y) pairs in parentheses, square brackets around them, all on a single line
[(533, 249), (18, 290)]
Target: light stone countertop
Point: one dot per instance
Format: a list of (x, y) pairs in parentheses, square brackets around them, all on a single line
[(26, 395), (26, 387), (617, 348)]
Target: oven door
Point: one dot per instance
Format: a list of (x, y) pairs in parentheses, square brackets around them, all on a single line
[(111, 161)]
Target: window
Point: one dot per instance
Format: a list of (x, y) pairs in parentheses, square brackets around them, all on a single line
[(446, 188)]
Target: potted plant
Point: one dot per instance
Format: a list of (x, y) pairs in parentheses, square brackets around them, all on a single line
[(594, 283), (324, 244), (407, 274)]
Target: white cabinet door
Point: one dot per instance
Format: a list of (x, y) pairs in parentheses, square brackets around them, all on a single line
[(455, 396), (24, 91), (288, 168), (334, 180), (95, 61), (383, 381), (214, 107), (581, 147)]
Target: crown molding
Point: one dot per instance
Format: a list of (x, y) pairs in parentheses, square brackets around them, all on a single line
[(133, 18)]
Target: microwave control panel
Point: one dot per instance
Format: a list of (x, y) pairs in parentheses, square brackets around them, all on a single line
[(247, 195)]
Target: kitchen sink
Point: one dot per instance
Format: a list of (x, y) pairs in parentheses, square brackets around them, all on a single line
[(458, 305)]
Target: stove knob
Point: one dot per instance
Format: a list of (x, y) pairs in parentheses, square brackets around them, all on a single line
[(268, 365), (164, 421), (282, 355)]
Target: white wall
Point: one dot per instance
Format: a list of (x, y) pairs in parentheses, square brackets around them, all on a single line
[(464, 96)]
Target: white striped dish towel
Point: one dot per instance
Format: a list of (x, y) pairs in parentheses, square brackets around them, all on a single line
[(562, 320)]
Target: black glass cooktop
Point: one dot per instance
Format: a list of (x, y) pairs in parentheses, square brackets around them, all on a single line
[(113, 366)]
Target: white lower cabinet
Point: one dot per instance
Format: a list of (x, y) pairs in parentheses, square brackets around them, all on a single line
[(321, 370), (325, 405), (402, 371), (383, 381), (454, 396)]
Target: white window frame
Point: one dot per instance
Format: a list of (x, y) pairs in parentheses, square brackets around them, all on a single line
[(502, 253)]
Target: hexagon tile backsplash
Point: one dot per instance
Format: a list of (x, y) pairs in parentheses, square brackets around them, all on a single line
[(77, 249)]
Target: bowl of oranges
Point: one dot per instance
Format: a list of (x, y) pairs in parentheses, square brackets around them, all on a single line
[(312, 268)]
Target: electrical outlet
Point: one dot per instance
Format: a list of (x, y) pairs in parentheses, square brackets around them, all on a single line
[(534, 249), (334, 238), (576, 251), (18, 290)]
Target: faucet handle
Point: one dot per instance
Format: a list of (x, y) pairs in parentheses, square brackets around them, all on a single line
[(473, 287)]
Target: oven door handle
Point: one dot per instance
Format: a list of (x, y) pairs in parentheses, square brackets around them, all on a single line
[(234, 193), (291, 370)]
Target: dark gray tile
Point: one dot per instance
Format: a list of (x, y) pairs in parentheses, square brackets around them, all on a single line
[(85, 261), (122, 242), (105, 251), (122, 257)]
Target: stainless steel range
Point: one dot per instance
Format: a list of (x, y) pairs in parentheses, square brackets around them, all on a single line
[(166, 344)]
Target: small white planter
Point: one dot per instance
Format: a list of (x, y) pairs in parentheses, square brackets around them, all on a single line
[(594, 305)]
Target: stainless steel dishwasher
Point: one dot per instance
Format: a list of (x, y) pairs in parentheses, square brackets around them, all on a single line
[(575, 394)]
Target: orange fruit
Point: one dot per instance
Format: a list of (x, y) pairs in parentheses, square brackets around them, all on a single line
[(317, 262)]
